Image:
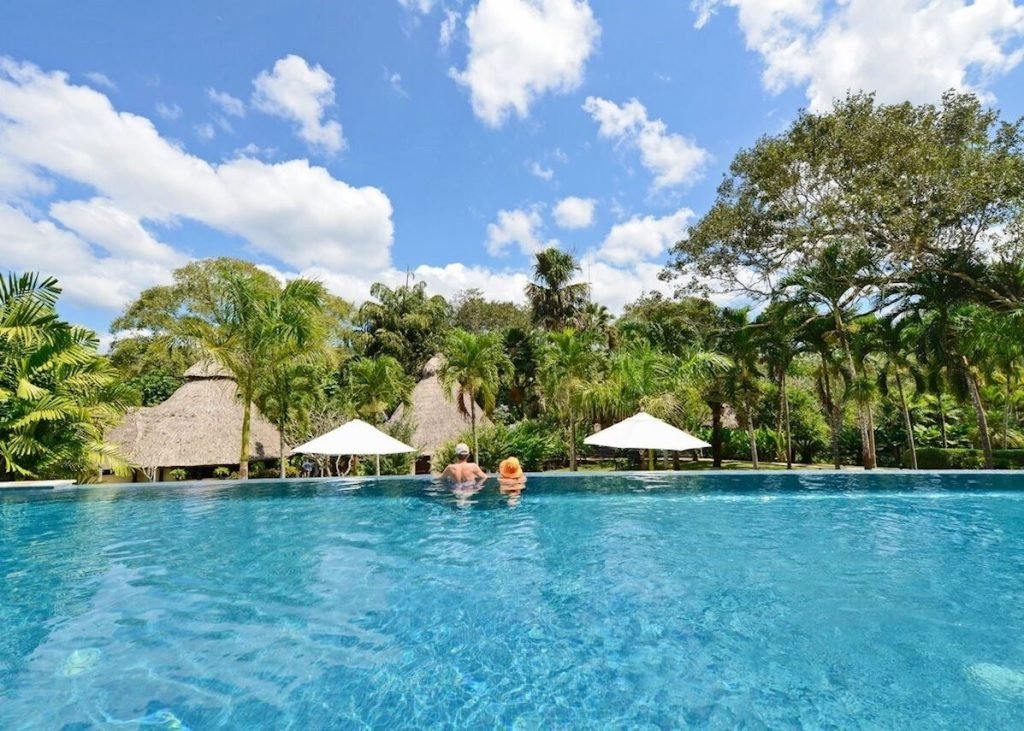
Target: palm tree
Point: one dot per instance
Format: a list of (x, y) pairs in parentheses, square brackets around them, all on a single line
[(893, 339), (555, 300), (286, 394), (779, 326), (839, 279), (743, 379), (378, 385), (474, 366), (57, 395), (570, 364), (250, 321)]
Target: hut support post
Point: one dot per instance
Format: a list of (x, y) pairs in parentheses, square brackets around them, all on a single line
[(378, 464)]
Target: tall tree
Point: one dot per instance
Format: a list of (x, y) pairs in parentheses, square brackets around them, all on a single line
[(378, 386), (570, 364), (474, 366), (242, 319), (405, 323), (744, 377), (555, 300)]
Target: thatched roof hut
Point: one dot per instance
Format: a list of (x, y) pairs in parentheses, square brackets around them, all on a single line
[(199, 426), (435, 415)]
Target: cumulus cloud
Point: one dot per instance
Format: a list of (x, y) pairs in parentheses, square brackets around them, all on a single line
[(291, 211), (301, 93), (672, 159), (643, 238), (520, 50), (900, 49), (575, 213), (517, 227), (227, 103)]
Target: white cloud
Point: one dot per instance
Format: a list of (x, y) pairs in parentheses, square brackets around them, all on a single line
[(170, 112), (544, 173), (291, 211), (522, 49), (205, 131), (671, 158), (228, 104), (108, 281), (517, 227), (902, 49), (575, 213), (644, 238), (101, 79), (421, 6), (394, 80), (449, 26), (296, 91)]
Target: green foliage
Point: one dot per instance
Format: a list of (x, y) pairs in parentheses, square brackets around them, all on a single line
[(154, 387), (535, 443), (1009, 459), (931, 458), (57, 395), (403, 323), (392, 464), (221, 473), (556, 302), (377, 386), (178, 474), (473, 313)]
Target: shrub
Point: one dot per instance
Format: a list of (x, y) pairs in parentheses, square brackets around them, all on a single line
[(1009, 459), (935, 458), (178, 474), (221, 473), (534, 442)]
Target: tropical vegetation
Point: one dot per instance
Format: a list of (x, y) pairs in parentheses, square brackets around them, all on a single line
[(871, 259)]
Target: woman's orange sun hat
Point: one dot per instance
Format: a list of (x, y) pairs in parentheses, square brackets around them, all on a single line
[(510, 469)]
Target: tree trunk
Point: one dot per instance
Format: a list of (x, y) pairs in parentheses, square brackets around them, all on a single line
[(378, 464), (867, 426), (243, 459), (907, 423), (572, 442), (753, 438), (280, 445), (786, 422), (472, 417), (675, 461), (834, 414), (1006, 410), (979, 409), (650, 460), (942, 422), (716, 433)]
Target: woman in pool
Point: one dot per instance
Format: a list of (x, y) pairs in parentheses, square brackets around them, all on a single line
[(511, 480)]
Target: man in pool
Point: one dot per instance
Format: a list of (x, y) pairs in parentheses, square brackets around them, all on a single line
[(463, 471)]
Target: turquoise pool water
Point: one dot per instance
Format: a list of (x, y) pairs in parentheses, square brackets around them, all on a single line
[(708, 601)]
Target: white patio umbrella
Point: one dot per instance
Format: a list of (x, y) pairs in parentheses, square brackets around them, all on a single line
[(355, 437), (644, 431)]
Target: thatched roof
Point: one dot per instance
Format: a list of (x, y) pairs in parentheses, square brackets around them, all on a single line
[(200, 425), (435, 417)]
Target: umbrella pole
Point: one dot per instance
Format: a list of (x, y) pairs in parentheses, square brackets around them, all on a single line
[(378, 465)]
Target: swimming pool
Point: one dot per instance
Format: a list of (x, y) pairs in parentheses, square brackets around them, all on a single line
[(813, 600)]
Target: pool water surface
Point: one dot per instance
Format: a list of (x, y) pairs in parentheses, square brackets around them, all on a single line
[(805, 600)]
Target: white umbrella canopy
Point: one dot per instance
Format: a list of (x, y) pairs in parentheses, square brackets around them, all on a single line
[(355, 437), (644, 431)]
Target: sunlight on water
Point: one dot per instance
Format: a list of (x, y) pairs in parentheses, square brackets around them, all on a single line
[(639, 601)]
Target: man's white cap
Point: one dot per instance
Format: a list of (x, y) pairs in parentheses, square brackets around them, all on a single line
[(461, 448)]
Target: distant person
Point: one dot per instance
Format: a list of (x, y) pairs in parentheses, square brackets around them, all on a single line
[(463, 471)]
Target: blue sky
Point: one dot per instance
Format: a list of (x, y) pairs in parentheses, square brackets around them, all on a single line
[(362, 140)]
